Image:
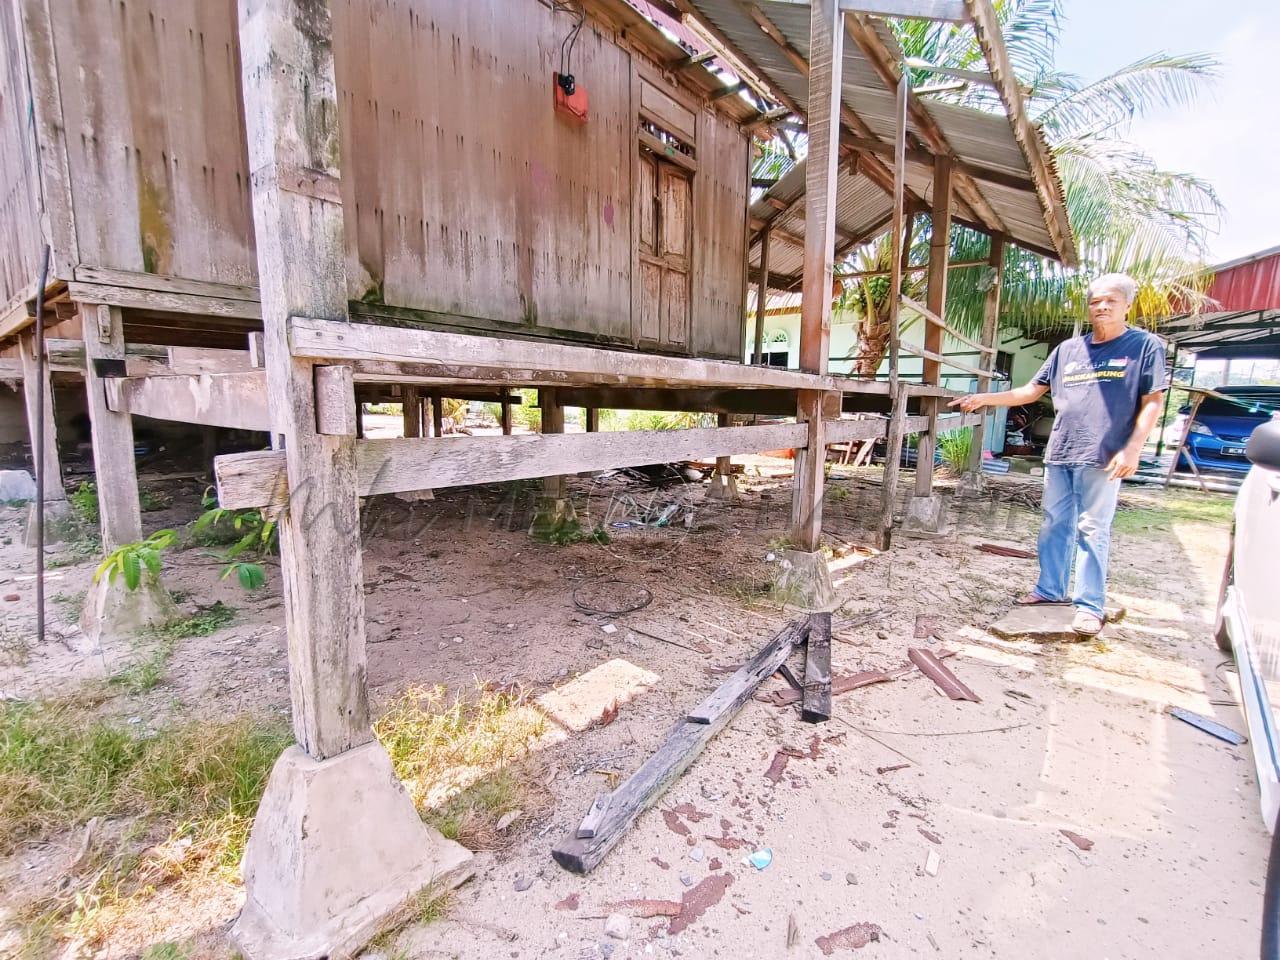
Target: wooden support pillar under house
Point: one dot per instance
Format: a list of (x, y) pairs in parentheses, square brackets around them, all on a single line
[(114, 467), (336, 847)]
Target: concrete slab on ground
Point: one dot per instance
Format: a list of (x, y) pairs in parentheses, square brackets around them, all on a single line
[(1045, 622)]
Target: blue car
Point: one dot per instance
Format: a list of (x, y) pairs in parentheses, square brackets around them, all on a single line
[(1222, 427)]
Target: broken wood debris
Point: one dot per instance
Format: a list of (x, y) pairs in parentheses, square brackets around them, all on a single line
[(815, 706), (947, 681), (591, 822), (1084, 843), (688, 739), (1209, 726), (999, 550), (854, 937), (847, 682), (926, 625)]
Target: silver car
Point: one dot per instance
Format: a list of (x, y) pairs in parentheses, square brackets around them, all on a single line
[(1249, 608)]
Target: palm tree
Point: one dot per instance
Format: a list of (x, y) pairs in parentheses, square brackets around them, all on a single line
[(1127, 213)]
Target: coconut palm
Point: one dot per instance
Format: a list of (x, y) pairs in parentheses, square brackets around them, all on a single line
[(1127, 213)]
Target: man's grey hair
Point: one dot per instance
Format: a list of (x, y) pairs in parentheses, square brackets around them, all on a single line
[(1122, 282)]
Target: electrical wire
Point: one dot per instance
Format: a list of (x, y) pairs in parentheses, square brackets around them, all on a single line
[(571, 38)]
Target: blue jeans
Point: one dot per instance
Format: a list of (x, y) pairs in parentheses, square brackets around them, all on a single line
[(1078, 504)]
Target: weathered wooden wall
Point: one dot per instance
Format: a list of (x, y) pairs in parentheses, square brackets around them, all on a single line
[(20, 237), (466, 195)]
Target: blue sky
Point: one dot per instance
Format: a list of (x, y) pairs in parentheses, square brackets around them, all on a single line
[(1232, 135)]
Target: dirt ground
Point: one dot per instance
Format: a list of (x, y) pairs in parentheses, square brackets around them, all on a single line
[(910, 824)]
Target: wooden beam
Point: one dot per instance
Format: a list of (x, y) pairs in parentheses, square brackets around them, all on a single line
[(845, 431), (115, 471), (291, 111), (40, 417), (986, 28), (234, 400), (881, 60), (391, 466), (932, 318), (990, 326), (335, 400), (682, 746), (384, 349), (410, 412), (1014, 181), (892, 464), (711, 400), (815, 704), (505, 416), (947, 11), (165, 301)]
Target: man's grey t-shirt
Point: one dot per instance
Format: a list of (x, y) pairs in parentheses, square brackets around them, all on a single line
[(1097, 388)]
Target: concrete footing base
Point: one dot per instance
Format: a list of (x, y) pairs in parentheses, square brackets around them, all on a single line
[(724, 486), (550, 516), (805, 581), (925, 515), (971, 484), (113, 612), (337, 854), (59, 523), (1047, 622)]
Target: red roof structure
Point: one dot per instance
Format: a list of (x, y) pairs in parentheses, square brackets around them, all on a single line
[(1247, 284), (1245, 311)]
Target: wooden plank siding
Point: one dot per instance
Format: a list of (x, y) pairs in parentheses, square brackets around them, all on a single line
[(19, 210), (467, 196)]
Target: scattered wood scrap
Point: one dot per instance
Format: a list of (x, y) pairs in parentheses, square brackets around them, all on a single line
[(839, 685), (1084, 843), (850, 938), (815, 707), (688, 739), (934, 669), (1002, 551)]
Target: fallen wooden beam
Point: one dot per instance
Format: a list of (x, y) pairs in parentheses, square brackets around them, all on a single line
[(391, 466), (815, 706), (235, 400), (643, 788)]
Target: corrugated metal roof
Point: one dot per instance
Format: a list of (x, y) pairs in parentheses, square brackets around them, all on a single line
[(983, 140)]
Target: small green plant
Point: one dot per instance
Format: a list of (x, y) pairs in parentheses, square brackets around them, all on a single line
[(567, 532), (955, 448), (252, 538), (151, 500), (166, 951), (204, 621), (145, 674), (131, 558), (84, 500)]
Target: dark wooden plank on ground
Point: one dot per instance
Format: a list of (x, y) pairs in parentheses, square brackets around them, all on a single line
[(643, 788), (816, 705)]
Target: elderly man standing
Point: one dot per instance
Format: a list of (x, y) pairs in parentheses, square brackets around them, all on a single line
[(1106, 388)]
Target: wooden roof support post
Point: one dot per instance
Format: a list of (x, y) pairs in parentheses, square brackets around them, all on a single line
[(990, 327), (336, 846), (114, 469), (411, 411), (41, 411), (826, 51), (897, 262), (762, 294), (936, 301), (291, 110)]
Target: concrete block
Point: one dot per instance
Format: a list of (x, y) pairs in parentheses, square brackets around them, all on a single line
[(584, 701), (16, 486), (805, 581), (1046, 623), (60, 523), (337, 853), (112, 612), (724, 486), (925, 515), (971, 484)]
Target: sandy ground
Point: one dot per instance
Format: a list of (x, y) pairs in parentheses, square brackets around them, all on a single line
[(1066, 737)]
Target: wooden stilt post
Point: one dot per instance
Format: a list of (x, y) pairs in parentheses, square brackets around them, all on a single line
[(990, 328), (826, 45), (553, 488), (506, 413), (723, 484), (437, 415), (115, 471), (592, 419), (32, 373), (936, 300), (336, 846), (411, 410)]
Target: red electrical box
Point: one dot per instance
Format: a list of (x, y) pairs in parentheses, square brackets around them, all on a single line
[(571, 105)]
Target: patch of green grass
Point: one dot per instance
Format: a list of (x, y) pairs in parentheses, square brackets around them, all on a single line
[(194, 788), (70, 603), (87, 546), (166, 951), (145, 673), (206, 620), (84, 500), (454, 756), (1175, 508), (568, 532)]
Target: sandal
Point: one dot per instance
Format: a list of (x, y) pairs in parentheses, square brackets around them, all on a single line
[(1034, 599)]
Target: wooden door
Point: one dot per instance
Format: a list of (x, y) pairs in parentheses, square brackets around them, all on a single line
[(665, 236)]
